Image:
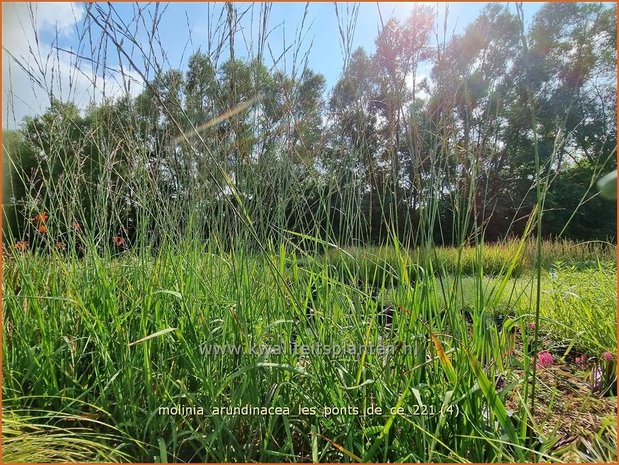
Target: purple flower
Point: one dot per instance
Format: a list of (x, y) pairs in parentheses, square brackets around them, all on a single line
[(544, 359)]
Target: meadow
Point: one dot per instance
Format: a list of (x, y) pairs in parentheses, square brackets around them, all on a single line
[(103, 344), (235, 263)]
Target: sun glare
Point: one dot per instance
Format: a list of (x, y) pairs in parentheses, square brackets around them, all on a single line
[(402, 9)]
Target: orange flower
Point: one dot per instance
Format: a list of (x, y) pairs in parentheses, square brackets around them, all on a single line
[(61, 245), (76, 226), (21, 246), (41, 217), (118, 241), (42, 229)]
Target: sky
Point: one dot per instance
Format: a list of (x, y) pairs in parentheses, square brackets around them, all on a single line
[(54, 48)]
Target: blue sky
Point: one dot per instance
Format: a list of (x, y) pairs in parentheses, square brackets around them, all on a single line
[(67, 21), (321, 34)]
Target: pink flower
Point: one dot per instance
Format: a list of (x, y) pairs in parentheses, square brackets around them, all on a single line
[(531, 326), (544, 359), (582, 360), (609, 357)]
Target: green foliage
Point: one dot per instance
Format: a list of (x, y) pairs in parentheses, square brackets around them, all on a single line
[(18, 167), (384, 264), (129, 335), (582, 307), (369, 268), (600, 447), (608, 186), (228, 205), (473, 165), (52, 437)]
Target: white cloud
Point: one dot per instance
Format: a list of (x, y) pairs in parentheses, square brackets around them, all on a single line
[(62, 16), (419, 92), (48, 72)]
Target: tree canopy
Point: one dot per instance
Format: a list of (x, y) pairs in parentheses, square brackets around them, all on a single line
[(416, 125)]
